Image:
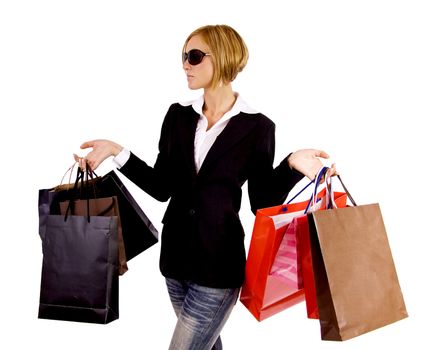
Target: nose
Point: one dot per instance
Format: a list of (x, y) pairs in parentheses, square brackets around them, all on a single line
[(186, 65)]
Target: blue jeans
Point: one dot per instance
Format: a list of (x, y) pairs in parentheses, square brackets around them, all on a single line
[(201, 314)]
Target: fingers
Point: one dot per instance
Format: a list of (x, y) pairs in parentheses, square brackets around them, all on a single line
[(86, 161), (82, 162), (87, 144), (92, 164), (332, 171), (309, 162), (321, 154)]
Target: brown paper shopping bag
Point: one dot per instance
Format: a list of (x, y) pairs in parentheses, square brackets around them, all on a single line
[(356, 282)]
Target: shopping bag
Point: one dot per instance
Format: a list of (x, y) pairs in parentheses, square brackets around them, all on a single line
[(265, 294), (100, 207), (300, 226), (139, 233), (357, 286), (79, 279)]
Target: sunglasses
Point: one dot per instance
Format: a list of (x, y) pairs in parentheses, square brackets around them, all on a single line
[(194, 56)]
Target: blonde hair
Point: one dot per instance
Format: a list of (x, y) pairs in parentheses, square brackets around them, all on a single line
[(228, 51)]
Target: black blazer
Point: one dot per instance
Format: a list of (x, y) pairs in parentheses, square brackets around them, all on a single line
[(202, 237)]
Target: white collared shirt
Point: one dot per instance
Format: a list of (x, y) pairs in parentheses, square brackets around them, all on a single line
[(204, 139)]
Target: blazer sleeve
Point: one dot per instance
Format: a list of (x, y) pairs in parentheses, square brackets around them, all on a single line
[(269, 186), (153, 180)]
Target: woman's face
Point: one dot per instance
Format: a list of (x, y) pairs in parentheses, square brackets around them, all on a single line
[(199, 76)]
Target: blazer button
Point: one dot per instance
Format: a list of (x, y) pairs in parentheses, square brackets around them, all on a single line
[(192, 212)]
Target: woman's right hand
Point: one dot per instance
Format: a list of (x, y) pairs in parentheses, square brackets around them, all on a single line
[(101, 149)]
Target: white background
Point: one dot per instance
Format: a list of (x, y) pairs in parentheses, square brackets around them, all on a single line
[(350, 77)]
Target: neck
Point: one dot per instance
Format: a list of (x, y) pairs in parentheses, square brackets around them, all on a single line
[(218, 101)]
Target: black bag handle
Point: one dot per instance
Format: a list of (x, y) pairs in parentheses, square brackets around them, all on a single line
[(83, 179), (70, 206)]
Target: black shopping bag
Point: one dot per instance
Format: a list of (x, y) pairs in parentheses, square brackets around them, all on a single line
[(99, 207), (80, 269), (138, 232)]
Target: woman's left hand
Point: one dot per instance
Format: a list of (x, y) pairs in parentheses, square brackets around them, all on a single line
[(307, 162)]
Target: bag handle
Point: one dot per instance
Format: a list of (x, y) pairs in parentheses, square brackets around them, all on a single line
[(316, 181), (69, 170), (296, 195), (82, 180), (313, 200), (320, 177), (344, 188), (79, 179), (322, 174)]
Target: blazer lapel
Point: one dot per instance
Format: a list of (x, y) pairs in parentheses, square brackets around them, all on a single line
[(238, 127), (187, 131)]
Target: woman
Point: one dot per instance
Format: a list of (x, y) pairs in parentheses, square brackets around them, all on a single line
[(207, 150)]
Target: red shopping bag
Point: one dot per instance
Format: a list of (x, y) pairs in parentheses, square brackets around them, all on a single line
[(263, 294)]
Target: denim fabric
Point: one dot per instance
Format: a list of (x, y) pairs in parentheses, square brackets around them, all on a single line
[(201, 313)]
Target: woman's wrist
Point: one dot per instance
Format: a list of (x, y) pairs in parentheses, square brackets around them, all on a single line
[(116, 149), (288, 161), (121, 158)]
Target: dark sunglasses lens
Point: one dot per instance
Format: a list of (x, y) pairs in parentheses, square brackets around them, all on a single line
[(195, 57)]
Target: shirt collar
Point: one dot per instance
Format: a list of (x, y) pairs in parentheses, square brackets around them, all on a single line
[(239, 106)]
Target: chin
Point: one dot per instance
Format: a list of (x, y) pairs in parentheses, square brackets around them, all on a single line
[(194, 87)]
